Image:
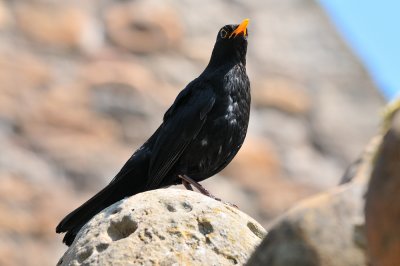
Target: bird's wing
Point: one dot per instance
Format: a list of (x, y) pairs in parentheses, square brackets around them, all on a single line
[(182, 123)]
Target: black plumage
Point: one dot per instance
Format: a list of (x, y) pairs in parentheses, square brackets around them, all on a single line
[(201, 133)]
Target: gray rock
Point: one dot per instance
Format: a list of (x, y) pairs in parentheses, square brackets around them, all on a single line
[(324, 230), (166, 227)]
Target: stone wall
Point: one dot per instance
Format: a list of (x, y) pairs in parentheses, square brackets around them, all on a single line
[(84, 83)]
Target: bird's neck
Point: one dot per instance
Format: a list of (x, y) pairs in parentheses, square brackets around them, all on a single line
[(229, 57)]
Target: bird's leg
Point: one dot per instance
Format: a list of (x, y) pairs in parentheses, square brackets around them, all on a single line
[(187, 185), (187, 180)]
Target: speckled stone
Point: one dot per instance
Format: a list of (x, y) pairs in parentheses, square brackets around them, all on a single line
[(166, 227)]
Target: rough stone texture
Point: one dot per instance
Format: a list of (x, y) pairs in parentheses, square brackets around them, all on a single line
[(84, 83), (325, 230), (382, 208), (166, 227)]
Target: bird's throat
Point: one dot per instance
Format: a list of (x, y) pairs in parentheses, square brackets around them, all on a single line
[(224, 55)]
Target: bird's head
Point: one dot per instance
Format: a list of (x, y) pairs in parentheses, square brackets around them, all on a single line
[(231, 44), (233, 33)]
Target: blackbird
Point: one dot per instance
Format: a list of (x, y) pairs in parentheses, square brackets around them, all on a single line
[(200, 134)]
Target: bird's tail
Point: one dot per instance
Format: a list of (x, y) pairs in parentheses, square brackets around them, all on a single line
[(129, 181)]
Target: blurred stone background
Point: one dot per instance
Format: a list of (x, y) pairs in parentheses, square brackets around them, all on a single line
[(84, 83)]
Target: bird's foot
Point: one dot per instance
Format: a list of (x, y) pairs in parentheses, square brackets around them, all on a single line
[(218, 199), (187, 185), (187, 182), (230, 204)]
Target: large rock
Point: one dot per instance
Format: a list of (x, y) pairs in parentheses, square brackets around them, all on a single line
[(85, 83), (166, 227), (324, 230), (382, 209)]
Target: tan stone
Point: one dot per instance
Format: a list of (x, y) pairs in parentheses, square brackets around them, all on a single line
[(166, 227), (143, 26), (141, 80), (21, 77), (283, 95), (257, 167), (29, 209), (256, 154), (59, 26), (325, 230), (22, 69), (5, 16)]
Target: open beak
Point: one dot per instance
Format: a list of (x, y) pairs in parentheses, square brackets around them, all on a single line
[(242, 28)]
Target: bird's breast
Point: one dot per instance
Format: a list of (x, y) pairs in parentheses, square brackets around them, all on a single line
[(224, 129)]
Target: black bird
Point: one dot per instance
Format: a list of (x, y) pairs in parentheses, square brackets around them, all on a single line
[(200, 134)]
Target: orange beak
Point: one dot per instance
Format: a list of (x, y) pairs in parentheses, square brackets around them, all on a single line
[(242, 28)]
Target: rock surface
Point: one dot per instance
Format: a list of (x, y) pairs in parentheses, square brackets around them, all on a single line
[(166, 227), (85, 83), (325, 230), (333, 228), (382, 208)]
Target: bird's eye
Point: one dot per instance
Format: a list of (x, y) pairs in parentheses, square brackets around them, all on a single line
[(223, 33)]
